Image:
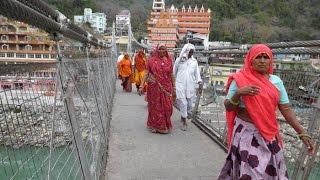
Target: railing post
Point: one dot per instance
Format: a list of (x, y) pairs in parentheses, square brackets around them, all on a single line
[(197, 102), (313, 126), (68, 100), (304, 163), (56, 38)]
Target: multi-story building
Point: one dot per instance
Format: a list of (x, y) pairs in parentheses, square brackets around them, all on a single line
[(196, 20), (20, 42), (25, 45), (98, 21), (165, 32), (190, 19), (123, 22)]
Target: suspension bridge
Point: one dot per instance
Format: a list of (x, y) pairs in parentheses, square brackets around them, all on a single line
[(87, 128)]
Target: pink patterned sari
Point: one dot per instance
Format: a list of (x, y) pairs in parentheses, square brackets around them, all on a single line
[(159, 94)]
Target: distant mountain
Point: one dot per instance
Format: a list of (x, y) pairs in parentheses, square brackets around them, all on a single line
[(243, 21)]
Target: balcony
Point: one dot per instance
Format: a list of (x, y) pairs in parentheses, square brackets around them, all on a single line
[(189, 25)]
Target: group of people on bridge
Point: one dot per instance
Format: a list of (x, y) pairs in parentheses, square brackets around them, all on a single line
[(164, 83), (253, 96)]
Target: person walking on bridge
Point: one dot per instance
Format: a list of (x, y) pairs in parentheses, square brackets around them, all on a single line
[(139, 64), (160, 90), (187, 73), (255, 145), (125, 72), (120, 57)]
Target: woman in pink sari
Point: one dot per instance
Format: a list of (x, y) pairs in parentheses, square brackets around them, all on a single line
[(255, 145), (159, 77)]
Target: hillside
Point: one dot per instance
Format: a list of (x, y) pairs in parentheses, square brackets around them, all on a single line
[(243, 21)]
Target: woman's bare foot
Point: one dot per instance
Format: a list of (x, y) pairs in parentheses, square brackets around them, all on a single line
[(164, 132), (184, 124)]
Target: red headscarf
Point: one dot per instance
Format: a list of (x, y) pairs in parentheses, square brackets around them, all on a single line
[(261, 107), (140, 61)]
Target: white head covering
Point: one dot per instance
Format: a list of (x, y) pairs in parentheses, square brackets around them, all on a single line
[(185, 51)]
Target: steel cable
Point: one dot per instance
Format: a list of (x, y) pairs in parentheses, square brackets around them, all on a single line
[(42, 8), (311, 43), (18, 11)]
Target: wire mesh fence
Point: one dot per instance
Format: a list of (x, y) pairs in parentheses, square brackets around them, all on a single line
[(54, 122), (304, 91)]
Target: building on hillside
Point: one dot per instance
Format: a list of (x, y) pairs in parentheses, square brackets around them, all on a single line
[(121, 41), (292, 57), (98, 21), (194, 19), (20, 42), (164, 32), (122, 22)]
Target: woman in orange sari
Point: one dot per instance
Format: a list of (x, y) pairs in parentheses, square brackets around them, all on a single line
[(125, 72), (140, 67), (160, 79)]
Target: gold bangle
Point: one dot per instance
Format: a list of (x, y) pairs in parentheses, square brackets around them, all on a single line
[(304, 135), (234, 103)]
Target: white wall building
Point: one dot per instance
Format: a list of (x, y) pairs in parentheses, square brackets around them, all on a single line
[(98, 21), (122, 22)]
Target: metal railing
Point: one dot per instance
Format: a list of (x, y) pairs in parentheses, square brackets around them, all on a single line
[(57, 127), (54, 119)]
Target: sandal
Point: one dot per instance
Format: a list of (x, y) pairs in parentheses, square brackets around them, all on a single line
[(153, 130)]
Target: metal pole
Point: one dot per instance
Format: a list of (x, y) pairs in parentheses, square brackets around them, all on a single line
[(129, 48), (313, 126), (68, 100), (59, 58)]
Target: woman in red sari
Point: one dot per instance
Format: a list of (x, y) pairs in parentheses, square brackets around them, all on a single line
[(159, 76)]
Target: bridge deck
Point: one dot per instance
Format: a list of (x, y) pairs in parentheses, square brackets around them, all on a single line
[(135, 153)]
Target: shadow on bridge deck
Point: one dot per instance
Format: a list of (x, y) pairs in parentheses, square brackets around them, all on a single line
[(137, 154)]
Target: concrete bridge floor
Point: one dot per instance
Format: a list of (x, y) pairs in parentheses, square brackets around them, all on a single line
[(137, 154)]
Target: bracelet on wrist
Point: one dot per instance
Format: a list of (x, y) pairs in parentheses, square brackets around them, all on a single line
[(234, 103), (304, 135)]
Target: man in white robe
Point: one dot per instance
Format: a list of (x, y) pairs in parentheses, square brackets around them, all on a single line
[(187, 73)]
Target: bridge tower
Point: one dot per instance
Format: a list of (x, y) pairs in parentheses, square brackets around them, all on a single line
[(114, 41), (158, 5), (129, 46)]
